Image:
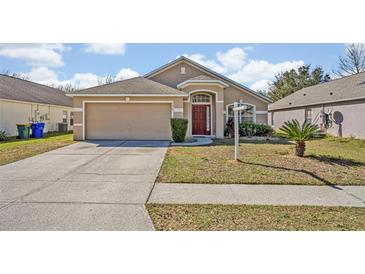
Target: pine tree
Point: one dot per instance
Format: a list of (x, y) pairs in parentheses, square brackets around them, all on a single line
[(290, 81)]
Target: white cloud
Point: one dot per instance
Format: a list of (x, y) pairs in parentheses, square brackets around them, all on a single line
[(201, 59), (261, 69), (260, 85), (105, 48), (85, 80), (233, 59), (254, 73), (126, 73), (41, 74), (49, 55), (46, 76)]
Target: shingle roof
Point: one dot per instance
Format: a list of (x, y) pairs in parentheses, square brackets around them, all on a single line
[(343, 89), (133, 86), (12, 88)]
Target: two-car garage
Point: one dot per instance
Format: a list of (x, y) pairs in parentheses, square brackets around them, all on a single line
[(141, 121)]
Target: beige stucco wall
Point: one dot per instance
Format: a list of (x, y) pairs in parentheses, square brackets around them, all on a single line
[(15, 112), (281, 116), (172, 77), (177, 106), (353, 113)]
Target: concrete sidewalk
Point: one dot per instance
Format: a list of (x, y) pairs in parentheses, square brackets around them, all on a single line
[(351, 196)]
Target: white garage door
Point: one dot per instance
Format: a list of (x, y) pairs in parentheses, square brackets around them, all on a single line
[(143, 121)]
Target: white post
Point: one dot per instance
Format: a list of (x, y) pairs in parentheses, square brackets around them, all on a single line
[(236, 133)]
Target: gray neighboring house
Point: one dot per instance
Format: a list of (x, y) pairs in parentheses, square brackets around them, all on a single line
[(23, 101), (337, 106)]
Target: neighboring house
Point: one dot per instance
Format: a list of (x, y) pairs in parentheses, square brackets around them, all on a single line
[(23, 101), (337, 106), (141, 107)]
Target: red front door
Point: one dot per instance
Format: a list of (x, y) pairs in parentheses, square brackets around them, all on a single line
[(201, 119)]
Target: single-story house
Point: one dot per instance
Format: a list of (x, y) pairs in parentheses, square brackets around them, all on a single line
[(141, 107), (23, 101), (337, 106)]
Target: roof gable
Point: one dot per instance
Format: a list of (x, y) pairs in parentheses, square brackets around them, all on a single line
[(206, 71)]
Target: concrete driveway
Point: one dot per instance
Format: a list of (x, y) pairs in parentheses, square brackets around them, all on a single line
[(99, 185)]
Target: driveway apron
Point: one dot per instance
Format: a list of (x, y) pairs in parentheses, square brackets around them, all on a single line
[(94, 185)]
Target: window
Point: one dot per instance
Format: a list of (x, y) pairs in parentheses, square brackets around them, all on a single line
[(64, 116), (71, 118), (183, 70), (201, 98), (248, 115), (308, 115)]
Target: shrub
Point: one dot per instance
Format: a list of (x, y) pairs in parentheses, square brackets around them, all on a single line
[(299, 133), (178, 128), (253, 129), (229, 130), (3, 135)]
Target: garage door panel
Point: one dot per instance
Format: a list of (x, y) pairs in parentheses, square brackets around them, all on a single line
[(128, 121)]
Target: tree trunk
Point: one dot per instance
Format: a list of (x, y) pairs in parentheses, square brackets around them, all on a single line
[(300, 148)]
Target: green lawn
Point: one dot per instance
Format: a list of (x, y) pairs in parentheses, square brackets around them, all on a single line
[(255, 217), (15, 150), (327, 161)]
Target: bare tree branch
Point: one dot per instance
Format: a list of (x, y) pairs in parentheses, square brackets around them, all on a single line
[(353, 62)]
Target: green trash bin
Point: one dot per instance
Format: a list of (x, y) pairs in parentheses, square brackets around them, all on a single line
[(23, 131)]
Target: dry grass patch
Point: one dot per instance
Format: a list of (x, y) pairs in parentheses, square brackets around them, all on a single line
[(254, 217), (16, 150), (327, 161)]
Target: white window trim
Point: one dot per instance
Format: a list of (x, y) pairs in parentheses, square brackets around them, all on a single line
[(241, 102), (208, 91), (203, 103), (122, 102)]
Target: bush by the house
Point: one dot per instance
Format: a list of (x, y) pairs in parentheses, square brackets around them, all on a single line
[(248, 129), (3, 135), (253, 129), (178, 128), (229, 130)]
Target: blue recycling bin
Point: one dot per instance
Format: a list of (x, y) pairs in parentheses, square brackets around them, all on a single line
[(37, 130)]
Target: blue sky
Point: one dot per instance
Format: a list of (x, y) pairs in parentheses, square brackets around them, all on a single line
[(83, 64)]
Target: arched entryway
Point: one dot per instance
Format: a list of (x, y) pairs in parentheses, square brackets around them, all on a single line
[(201, 114)]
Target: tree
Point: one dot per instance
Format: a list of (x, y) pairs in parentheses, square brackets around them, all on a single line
[(290, 81), (353, 62), (16, 75), (67, 88), (106, 80), (292, 130)]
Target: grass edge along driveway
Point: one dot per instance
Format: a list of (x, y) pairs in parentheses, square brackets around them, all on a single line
[(327, 161), (255, 217), (15, 150)]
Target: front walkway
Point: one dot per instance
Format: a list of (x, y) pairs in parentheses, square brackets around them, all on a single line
[(353, 196), (99, 185)]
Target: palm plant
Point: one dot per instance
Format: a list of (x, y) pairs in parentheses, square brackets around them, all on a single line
[(292, 130)]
